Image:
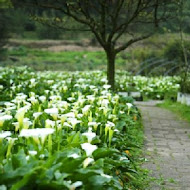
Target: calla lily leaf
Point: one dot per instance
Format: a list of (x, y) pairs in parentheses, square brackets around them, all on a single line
[(104, 152)]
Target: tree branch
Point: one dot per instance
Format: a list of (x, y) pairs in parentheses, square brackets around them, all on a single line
[(124, 46)]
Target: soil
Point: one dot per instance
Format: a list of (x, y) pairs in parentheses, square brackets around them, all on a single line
[(55, 45)]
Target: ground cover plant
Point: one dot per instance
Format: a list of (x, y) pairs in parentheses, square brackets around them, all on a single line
[(62, 130)]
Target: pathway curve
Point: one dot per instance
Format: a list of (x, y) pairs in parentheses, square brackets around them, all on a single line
[(167, 146)]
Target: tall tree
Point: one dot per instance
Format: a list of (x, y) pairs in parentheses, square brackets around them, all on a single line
[(108, 20), (4, 25)]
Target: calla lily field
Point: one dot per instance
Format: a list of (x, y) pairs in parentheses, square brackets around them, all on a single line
[(68, 130)]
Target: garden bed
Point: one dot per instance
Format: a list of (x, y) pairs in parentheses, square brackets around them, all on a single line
[(65, 131)]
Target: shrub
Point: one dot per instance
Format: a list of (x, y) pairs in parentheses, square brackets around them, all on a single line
[(47, 32), (4, 34), (174, 51)]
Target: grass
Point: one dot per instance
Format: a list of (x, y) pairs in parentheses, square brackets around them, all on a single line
[(183, 111), (64, 60), (24, 53), (142, 179)]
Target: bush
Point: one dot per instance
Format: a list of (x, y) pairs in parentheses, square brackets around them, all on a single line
[(185, 83), (4, 34), (47, 32), (174, 51)]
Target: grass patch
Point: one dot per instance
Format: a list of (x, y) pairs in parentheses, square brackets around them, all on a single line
[(142, 179), (64, 60), (183, 111)]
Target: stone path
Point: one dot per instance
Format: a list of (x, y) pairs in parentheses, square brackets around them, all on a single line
[(167, 147)]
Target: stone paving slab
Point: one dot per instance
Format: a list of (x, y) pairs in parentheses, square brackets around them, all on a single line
[(167, 147)]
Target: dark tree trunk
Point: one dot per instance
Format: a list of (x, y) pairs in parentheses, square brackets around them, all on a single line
[(111, 68)]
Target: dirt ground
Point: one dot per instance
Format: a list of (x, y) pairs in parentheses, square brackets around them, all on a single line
[(55, 45)]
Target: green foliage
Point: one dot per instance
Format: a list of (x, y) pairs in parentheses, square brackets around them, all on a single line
[(65, 60), (5, 4), (185, 82), (174, 51), (59, 161), (150, 87), (47, 32), (4, 31)]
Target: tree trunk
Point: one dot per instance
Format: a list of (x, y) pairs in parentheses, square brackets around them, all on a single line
[(111, 68)]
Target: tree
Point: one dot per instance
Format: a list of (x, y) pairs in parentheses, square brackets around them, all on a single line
[(3, 29), (4, 25), (108, 20)]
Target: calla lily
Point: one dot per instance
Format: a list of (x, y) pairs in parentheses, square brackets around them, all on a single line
[(109, 127), (75, 185), (87, 161), (73, 121), (20, 115), (107, 86), (86, 109), (33, 100), (42, 98), (129, 105), (94, 124), (90, 135), (74, 155), (9, 104), (16, 124), (4, 134), (89, 148), (11, 142), (4, 118), (32, 152), (37, 114), (26, 123), (49, 123), (37, 133), (53, 112)]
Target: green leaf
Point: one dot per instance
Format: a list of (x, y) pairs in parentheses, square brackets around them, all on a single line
[(51, 171), (104, 152), (75, 140), (129, 176), (28, 178), (19, 159), (71, 164), (98, 180), (120, 125), (83, 174)]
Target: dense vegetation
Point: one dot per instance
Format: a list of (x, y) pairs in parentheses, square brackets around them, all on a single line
[(18, 24), (69, 130), (65, 131)]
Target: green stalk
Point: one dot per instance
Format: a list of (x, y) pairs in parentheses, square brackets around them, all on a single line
[(50, 144), (9, 149), (111, 131)]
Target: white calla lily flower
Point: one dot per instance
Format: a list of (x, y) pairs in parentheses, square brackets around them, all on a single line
[(53, 112), (87, 161), (3, 118), (89, 148), (4, 134)]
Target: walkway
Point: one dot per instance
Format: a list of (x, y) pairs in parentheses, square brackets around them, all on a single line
[(167, 147)]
